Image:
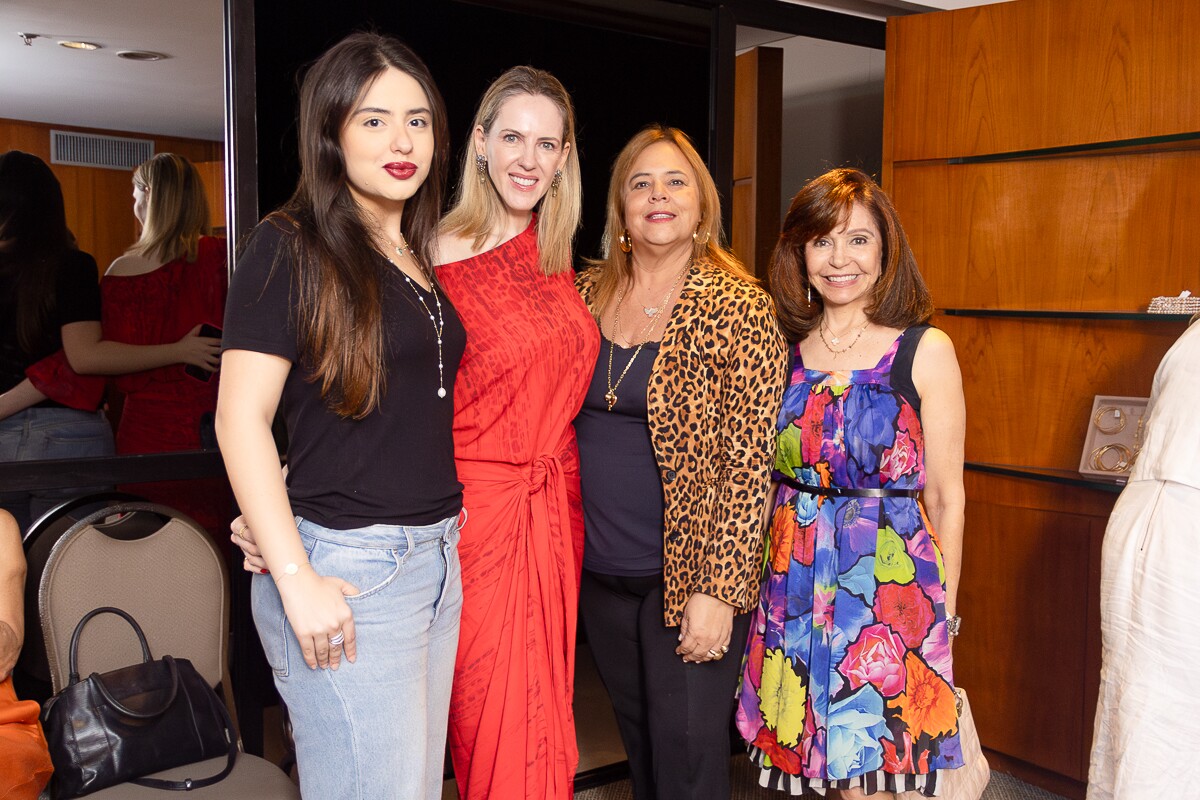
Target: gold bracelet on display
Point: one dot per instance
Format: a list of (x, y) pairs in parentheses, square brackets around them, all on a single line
[(1125, 458), (1118, 420)]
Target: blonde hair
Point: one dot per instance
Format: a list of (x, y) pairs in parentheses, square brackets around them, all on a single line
[(176, 210), (478, 208), (616, 266)]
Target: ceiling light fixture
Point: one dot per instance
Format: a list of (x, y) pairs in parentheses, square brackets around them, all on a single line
[(78, 45), (28, 38), (141, 55)]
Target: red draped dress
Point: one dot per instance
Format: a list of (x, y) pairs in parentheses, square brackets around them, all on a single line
[(531, 346), (165, 409)]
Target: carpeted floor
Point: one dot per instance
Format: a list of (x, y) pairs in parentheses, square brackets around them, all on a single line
[(745, 787)]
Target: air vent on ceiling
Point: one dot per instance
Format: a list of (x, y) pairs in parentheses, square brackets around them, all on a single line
[(93, 150)]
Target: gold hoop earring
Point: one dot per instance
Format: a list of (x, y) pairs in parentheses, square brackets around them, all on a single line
[(481, 168), (1124, 455), (1118, 420), (696, 235), (554, 184), (624, 242)]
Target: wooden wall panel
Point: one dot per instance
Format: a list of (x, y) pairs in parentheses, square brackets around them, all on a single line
[(1023, 652), (212, 174), (1101, 233), (757, 142), (1042, 73), (1101, 229), (1029, 383), (100, 201)]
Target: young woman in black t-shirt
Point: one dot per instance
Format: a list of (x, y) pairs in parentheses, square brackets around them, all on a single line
[(335, 319)]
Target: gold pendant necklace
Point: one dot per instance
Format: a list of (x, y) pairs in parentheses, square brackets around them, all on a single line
[(610, 397)]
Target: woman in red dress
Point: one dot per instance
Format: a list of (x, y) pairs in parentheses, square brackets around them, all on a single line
[(531, 344), (170, 281)]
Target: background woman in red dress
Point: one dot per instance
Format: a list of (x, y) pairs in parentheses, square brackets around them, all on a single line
[(170, 281), (531, 344)]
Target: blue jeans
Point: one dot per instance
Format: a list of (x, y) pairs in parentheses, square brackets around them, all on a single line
[(38, 434), (374, 729)]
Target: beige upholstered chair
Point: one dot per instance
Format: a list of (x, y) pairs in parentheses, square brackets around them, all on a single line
[(173, 581)]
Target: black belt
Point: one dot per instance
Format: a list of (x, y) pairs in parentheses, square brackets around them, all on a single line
[(837, 491)]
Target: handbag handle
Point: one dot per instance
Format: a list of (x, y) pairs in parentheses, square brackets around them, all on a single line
[(124, 709), (73, 677)]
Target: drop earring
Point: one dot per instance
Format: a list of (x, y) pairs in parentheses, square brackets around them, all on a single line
[(481, 168), (554, 184)]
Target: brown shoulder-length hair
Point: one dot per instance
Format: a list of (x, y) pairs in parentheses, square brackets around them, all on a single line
[(339, 273), (708, 243), (898, 299)]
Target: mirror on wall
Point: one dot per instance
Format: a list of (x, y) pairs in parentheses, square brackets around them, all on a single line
[(94, 88)]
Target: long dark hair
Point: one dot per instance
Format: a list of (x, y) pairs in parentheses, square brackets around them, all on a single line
[(34, 219), (339, 273), (898, 299)]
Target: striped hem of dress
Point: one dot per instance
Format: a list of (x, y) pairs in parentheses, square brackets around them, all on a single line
[(870, 782)]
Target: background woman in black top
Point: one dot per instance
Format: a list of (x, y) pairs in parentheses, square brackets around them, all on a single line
[(46, 285), (334, 318)]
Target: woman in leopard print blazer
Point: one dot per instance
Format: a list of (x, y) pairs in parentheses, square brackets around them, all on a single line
[(676, 442)]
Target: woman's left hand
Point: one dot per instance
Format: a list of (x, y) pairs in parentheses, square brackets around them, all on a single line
[(705, 630)]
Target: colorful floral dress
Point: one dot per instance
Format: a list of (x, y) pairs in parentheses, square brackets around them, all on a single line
[(847, 677)]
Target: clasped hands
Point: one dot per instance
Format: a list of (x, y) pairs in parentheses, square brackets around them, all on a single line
[(705, 630)]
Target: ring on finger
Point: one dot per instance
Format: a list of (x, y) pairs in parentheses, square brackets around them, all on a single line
[(337, 639)]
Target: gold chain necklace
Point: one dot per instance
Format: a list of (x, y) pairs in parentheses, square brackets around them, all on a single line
[(610, 396), (837, 340)]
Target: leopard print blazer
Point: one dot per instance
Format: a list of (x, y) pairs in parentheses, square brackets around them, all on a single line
[(714, 395)]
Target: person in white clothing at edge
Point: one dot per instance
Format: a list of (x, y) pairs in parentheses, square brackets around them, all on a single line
[(1149, 709)]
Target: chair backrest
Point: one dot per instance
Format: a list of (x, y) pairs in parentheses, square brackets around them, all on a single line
[(173, 581), (38, 541)]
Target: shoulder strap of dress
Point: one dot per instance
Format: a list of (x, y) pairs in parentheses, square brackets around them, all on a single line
[(902, 365)]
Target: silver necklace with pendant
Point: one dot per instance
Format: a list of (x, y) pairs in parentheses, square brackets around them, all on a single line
[(439, 322)]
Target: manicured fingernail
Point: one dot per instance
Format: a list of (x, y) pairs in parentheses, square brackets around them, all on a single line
[(264, 572)]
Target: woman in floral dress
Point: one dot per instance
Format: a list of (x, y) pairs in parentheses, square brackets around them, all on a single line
[(847, 682)]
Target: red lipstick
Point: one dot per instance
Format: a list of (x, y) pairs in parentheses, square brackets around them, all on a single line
[(401, 170)]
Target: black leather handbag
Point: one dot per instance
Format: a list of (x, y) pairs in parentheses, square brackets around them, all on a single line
[(134, 721)]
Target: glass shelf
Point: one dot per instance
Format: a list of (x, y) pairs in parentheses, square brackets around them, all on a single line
[(1063, 477), (1031, 313)]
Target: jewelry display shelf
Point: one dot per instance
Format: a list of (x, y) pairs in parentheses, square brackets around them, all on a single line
[(1032, 313), (1063, 477)]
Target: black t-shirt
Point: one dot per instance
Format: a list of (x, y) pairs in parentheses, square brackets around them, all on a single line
[(76, 299), (396, 465)]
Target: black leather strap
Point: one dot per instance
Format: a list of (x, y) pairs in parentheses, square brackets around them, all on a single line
[(837, 491), (187, 784)]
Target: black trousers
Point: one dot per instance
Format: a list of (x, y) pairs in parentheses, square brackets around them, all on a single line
[(674, 717)]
